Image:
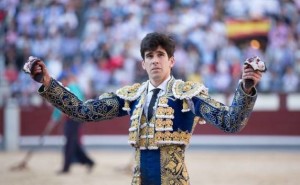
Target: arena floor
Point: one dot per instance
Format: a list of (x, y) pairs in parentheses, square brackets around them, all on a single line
[(207, 167)]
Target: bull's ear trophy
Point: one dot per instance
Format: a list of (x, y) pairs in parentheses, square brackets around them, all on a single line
[(28, 66), (258, 65)]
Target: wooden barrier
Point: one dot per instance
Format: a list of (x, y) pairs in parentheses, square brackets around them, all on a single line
[(280, 121)]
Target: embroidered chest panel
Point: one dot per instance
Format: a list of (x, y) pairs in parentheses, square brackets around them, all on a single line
[(173, 120), (163, 128)]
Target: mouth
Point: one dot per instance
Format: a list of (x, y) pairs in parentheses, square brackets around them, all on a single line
[(155, 69)]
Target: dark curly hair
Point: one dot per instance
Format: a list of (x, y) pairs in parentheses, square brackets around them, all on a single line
[(152, 40)]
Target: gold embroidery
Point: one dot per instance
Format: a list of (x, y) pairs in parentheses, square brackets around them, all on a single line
[(159, 123), (163, 125), (163, 101), (160, 111), (143, 131), (185, 136), (165, 138), (187, 90), (135, 123), (135, 111), (173, 169), (142, 142), (150, 131), (132, 136), (164, 112), (136, 180), (133, 92), (152, 143), (187, 87), (129, 91), (168, 123), (169, 111), (176, 136), (159, 136), (91, 110)]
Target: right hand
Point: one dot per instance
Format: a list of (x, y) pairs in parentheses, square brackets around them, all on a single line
[(40, 67), (250, 74)]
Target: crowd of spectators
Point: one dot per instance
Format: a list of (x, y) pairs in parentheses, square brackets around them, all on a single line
[(98, 42)]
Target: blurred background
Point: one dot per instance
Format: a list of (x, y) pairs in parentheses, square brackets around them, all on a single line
[(98, 42)]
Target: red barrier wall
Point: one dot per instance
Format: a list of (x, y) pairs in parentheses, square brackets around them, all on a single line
[(282, 122)]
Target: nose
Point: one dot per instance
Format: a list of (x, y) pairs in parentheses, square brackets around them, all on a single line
[(155, 60)]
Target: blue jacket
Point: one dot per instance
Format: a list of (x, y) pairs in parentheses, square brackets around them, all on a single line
[(160, 143)]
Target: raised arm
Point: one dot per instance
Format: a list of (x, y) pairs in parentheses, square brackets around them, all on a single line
[(227, 118), (231, 118), (107, 106)]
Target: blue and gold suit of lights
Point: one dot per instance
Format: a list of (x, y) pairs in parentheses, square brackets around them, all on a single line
[(161, 142)]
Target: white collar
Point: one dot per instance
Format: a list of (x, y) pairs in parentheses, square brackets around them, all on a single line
[(162, 86)]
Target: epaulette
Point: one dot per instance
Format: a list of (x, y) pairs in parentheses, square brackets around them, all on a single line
[(130, 93), (186, 90)]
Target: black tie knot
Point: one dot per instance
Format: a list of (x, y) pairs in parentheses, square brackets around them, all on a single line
[(155, 92), (152, 102)]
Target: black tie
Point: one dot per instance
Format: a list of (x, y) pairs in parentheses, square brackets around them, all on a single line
[(152, 102)]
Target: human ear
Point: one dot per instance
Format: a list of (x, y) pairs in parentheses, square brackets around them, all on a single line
[(172, 61), (143, 65)]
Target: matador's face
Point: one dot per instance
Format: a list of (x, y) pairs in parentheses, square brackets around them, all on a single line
[(158, 65)]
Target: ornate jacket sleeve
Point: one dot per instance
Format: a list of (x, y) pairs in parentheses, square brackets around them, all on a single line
[(228, 118), (106, 107)]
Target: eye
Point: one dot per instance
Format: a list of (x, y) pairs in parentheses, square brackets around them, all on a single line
[(149, 56), (161, 54)]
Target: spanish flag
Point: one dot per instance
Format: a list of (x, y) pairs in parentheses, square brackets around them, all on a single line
[(237, 29)]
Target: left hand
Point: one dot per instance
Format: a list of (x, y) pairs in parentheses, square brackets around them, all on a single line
[(251, 74)]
